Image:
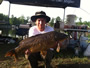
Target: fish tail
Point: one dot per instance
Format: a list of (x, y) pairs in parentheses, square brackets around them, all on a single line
[(12, 53)]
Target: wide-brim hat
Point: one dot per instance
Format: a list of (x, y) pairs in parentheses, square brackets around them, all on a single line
[(40, 14)]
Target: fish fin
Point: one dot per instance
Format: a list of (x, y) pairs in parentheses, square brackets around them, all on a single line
[(12, 53), (58, 47), (43, 54)]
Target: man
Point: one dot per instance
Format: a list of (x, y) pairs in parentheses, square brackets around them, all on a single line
[(41, 19)]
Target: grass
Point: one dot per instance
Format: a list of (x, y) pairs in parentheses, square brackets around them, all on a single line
[(89, 38), (63, 59), (8, 62)]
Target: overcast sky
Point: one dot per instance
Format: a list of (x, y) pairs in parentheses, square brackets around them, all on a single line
[(27, 10)]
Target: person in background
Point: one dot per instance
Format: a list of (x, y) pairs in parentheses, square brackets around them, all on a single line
[(41, 19), (57, 26)]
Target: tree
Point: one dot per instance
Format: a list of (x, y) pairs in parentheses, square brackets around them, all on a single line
[(83, 23), (86, 23), (80, 21), (17, 21), (58, 18), (51, 23), (21, 19), (28, 18), (1, 17), (5, 18)]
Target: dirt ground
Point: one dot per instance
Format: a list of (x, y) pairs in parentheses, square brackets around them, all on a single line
[(59, 61), (23, 63)]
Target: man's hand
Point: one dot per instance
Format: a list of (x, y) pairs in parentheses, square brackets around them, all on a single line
[(27, 52)]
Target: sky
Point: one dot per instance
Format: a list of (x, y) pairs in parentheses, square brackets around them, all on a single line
[(28, 10)]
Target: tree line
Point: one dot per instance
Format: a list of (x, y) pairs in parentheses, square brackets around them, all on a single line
[(83, 23), (22, 20), (78, 23), (13, 20)]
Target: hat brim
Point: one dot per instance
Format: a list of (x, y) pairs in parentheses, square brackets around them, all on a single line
[(33, 18)]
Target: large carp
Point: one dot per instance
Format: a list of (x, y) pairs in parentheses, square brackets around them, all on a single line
[(37, 43)]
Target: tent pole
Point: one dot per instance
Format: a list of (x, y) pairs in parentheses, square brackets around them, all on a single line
[(9, 12), (8, 19), (64, 15)]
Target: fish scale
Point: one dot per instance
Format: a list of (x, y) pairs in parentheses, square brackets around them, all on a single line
[(37, 43)]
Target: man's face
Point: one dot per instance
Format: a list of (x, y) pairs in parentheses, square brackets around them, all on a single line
[(40, 22)]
